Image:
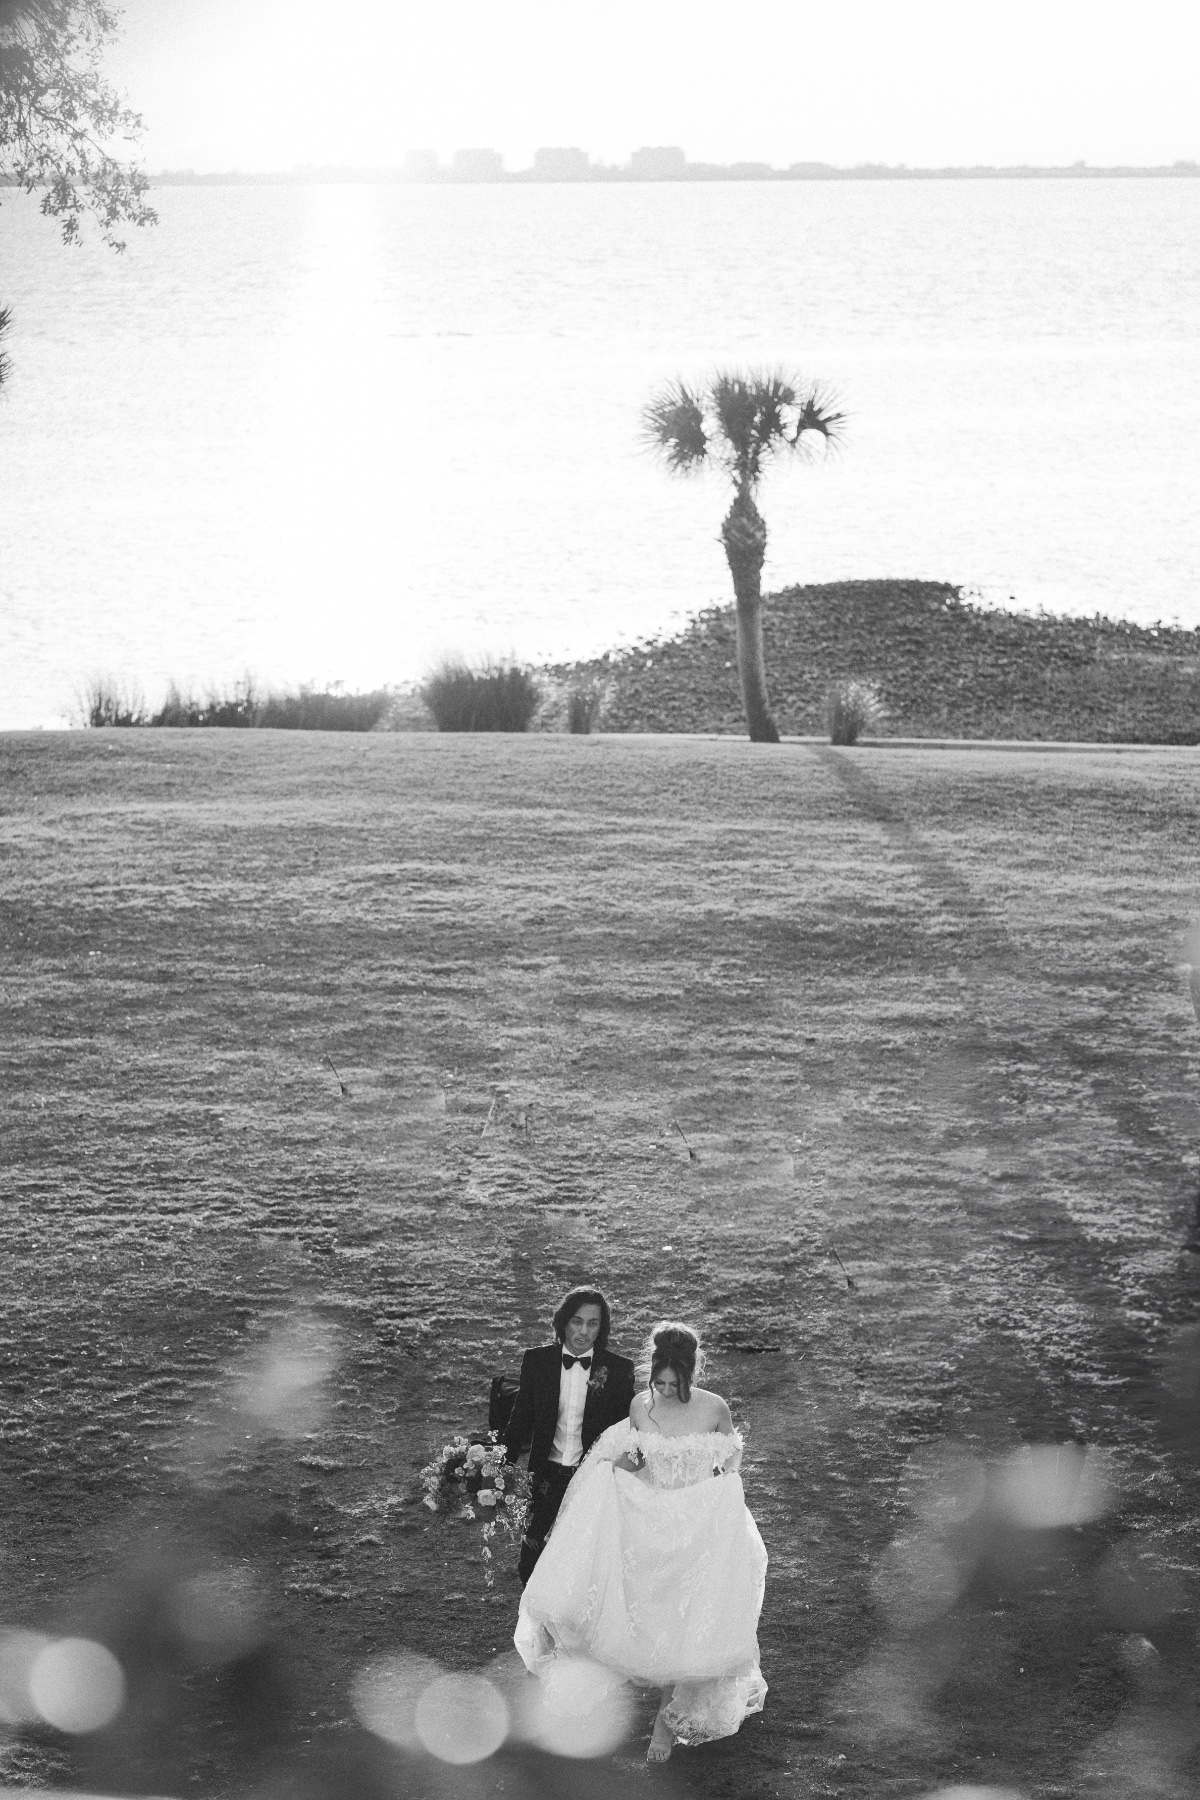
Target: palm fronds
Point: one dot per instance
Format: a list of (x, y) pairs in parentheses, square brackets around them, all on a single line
[(819, 412), (752, 412), (5, 359), (739, 419), (673, 427), (765, 412)]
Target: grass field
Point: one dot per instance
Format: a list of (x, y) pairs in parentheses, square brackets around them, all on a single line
[(920, 1008)]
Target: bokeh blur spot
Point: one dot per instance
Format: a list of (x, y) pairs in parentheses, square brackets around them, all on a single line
[(384, 1695), (76, 1685), (218, 1614), (283, 1387), (947, 1483), (974, 1793), (1052, 1485), (579, 1710), (461, 1718), (19, 1651), (917, 1581)]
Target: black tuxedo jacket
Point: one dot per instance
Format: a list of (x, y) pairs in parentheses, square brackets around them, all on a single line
[(534, 1417)]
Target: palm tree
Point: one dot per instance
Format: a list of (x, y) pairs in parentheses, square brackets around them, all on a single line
[(741, 422)]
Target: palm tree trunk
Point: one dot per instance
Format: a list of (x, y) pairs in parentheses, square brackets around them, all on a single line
[(745, 538)]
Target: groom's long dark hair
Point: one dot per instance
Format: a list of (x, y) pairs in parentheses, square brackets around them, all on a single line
[(570, 1304)]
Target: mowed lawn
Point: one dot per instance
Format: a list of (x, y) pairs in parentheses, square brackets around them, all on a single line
[(923, 1009)]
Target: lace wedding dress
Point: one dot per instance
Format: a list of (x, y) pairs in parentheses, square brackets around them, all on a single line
[(660, 1579)]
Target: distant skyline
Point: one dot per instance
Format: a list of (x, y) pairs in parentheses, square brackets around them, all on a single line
[(563, 163), (269, 84)]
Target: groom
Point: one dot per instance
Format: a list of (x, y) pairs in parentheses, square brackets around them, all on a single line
[(571, 1391)]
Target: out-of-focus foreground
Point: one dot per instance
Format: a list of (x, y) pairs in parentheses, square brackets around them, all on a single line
[(331, 1060)]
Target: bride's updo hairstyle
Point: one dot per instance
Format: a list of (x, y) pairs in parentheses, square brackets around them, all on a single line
[(675, 1347)]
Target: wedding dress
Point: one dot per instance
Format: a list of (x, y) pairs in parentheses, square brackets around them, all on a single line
[(660, 1580)]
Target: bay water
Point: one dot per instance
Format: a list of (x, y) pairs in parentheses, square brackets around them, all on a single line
[(330, 433)]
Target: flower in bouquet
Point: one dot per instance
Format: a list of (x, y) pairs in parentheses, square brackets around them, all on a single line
[(475, 1472), (474, 1479)]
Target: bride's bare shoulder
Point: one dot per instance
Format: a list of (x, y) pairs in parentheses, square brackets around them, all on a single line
[(713, 1410), (638, 1410)]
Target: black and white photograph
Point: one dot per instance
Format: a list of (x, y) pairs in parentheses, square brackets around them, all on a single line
[(599, 900)]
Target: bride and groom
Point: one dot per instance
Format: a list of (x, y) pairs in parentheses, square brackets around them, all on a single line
[(639, 1552)]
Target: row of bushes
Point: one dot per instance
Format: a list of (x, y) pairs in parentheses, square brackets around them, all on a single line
[(841, 658), (497, 697), (107, 702)]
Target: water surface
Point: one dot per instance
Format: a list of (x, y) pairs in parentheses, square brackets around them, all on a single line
[(328, 433)]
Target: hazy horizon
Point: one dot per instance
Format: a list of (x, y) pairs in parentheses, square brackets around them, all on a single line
[(445, 164), (264, 84)]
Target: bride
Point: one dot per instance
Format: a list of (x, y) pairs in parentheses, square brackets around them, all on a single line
[(655, 1568)]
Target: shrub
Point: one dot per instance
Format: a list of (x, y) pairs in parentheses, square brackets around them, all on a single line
[(333, 711), (583, 707), (237, 708), (108, 702), (308, 710), (498, 697), (177, 709), (406, 710), (852, 707)]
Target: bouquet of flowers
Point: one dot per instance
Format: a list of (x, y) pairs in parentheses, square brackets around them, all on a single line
[(472, 1479)]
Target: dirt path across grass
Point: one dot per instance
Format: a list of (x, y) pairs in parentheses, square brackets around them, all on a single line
[(919, 1008)]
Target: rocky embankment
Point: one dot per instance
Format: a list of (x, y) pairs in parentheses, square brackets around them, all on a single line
[(944, 668)]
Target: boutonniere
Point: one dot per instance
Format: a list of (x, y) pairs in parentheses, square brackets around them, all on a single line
[(597, 1379)]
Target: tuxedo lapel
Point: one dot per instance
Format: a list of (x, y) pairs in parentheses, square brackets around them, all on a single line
[(547, 1364), (595, 1386), (550, 1372)]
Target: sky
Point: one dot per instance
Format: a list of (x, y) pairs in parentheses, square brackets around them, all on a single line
[(271, 84)]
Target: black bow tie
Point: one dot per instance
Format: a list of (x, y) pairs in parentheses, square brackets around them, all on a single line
[(569, 1361)]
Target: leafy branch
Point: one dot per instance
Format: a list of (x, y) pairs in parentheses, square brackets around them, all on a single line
[(62, 123)]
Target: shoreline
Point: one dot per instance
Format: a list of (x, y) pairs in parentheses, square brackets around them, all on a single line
[(946, 669), (949, 673), (696, 172)]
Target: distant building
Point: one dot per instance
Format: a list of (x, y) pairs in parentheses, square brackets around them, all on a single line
[(422, 165), (477, 165), (664, 163), (750, 171), (561, 165)]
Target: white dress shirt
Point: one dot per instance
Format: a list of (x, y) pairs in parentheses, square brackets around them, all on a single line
[(567, 1447)]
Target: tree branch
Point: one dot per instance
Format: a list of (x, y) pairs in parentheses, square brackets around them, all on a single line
[(59, 116)]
